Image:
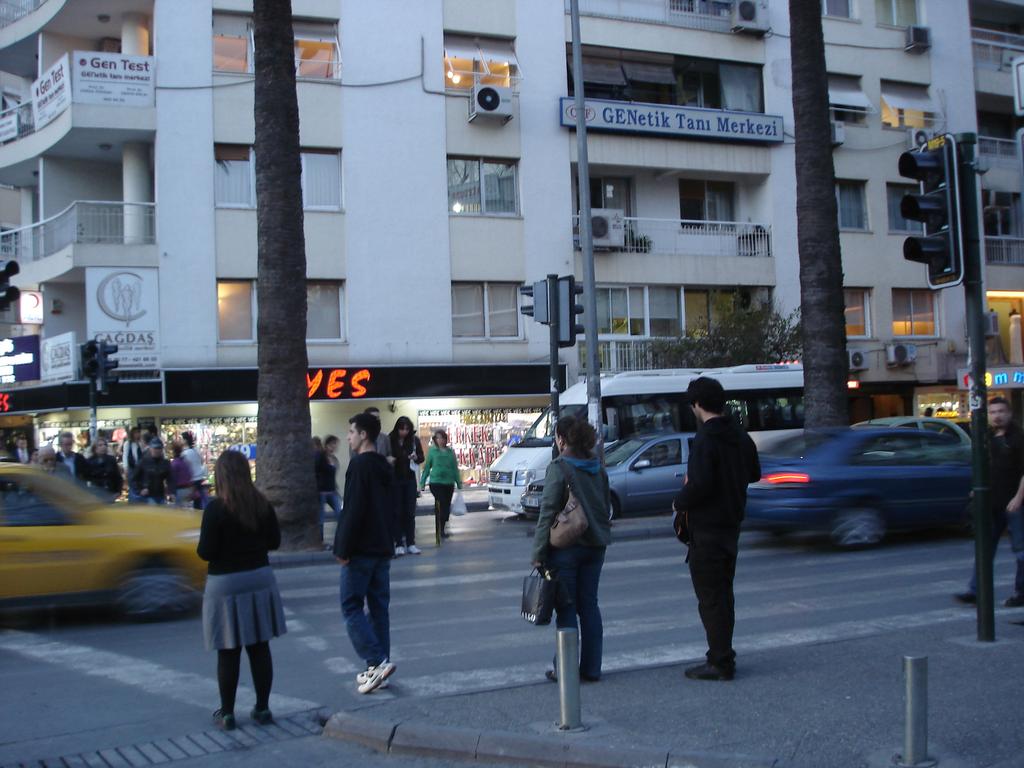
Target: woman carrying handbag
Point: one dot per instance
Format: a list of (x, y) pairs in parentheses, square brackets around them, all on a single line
[(576, 476)]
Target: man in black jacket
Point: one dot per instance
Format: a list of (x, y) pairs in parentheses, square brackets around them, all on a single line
[(723, 461), (152, 479), (364, 545)]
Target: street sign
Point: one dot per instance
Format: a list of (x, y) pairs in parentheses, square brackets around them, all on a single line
[(1018, 85)]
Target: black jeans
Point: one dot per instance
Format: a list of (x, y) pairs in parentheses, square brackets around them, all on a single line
[(405, 501), (712, 559), (442, 503)]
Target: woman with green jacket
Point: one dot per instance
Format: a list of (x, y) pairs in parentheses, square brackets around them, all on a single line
[(441, 470)]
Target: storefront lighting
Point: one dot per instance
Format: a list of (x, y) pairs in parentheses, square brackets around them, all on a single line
[(1005, 294), (853, 384)]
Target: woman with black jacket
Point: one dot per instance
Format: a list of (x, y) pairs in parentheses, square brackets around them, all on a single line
[(241, 604), (104, 474), (407, 452)]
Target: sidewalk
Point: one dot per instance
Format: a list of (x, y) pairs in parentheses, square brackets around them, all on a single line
[(805, 706)]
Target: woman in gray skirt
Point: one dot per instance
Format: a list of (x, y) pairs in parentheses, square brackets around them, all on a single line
[(241, 604)]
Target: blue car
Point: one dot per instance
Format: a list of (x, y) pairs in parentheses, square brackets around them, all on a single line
[(855, 484)]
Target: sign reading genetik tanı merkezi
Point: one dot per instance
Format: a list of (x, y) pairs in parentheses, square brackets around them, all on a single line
[(51, 93), (19, 359), (122, 307), (113, 79), (682, 122)]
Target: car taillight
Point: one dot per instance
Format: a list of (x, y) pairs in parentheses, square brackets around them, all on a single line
[(785, 478)]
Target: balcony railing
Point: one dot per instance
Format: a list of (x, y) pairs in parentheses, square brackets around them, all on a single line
[(82, 222), (684, 237), (707, 15), (622, 355), (16, 122), (995, 50), (1005, 250), (12, 10), (1003, 151)]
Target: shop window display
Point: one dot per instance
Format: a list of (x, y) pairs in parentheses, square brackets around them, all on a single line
[(214, 435), (477, 435)]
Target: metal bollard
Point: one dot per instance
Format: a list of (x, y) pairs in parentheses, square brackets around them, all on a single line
[(915, 737), (569, 680)]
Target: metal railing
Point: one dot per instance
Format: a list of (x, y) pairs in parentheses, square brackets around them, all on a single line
[(82, 222), (995, 50), (16, 122), (684, 237), (1001, 150), (1004, 250), (619, 355), (707, 15), (12, 10)]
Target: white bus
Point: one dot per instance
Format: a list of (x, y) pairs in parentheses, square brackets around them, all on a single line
[(764, 398)]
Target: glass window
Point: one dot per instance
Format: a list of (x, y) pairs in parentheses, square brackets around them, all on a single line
[(848, 103), (857, 312), (470, 60), (316, 50), (667, 453), (663, 304), (323, 308), (614, 311), (234, 185), (485, 310), (468, 310), (232, 41), (499, 194), (234, 310), (897, 13), (22, 508), (840, 8), (894, 195), (741, 87), (852, 208), (706, 200), (321, 179), (502, 310), (906, 105), (1000, 213), (913, 312)]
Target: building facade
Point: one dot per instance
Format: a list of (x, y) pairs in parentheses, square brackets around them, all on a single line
[(439, 175)]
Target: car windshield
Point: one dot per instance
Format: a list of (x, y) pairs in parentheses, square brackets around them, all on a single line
[(622, 451), (798, 446), (542, 432)]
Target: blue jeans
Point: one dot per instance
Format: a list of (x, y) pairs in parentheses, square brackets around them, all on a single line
[(1000, 522), (333, 500), (367, 581), (579, 569)]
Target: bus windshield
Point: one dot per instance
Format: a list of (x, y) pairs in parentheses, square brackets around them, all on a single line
[(542, 432)]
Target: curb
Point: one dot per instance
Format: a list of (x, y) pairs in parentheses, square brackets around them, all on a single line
[(466, 744)]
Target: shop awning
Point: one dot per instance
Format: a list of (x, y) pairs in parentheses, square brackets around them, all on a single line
[(909, 97), (603, 72), (845, 92), (649, 73)]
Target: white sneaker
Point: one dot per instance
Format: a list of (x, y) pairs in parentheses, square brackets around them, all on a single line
[(412, 549), (399, 551), (375, 676), (362, 677)]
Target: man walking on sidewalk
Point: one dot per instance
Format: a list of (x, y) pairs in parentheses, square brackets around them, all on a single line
[(1006, 471), (723, 461), (364, 545)]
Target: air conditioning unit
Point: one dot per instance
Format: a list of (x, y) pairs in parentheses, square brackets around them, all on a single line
[(608, 227), (750, 17), (916, 137), (858, 360), (991, 323), (490, 102), (838, 132), (900, 354), (919, 40)]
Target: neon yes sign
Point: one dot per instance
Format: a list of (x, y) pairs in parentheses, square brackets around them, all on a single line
[(337, 383)]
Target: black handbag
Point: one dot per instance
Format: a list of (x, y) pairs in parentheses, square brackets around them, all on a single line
[(540, 593)]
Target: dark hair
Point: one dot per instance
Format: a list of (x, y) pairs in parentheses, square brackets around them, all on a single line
[(442, 433), (367, 423), (317, 443), (134, 431), (330, 439), (62, 435), (234, 487), (707, 393), (176, 449), (403, 421), (999, 400), (372, 410), (578, 433), (189, 438)]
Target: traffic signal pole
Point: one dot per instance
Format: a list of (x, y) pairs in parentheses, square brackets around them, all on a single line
[(553, 325), (978, 396)]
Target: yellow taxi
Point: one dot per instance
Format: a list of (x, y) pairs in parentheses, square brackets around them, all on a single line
[(60, 545)]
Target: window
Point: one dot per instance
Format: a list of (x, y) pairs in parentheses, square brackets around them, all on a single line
[(706, 200), (23, 508), (1001, 213), (906, 106), (913, 312), (896, 13), (485, 310), (324, 310), (234, 181), (664, 311), (321, 179), (651, 311), (894, 196), (667, 453), (235, 310), (471, 60), (232, 43), (608, 192), (852, 207), (316, 50), (838, 8), (482, 186), (847, 101), (858, 312), (703, 306)]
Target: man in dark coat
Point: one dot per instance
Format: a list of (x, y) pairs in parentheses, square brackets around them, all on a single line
[(152, 479), (72, 459), (723, 461), (364, 545)]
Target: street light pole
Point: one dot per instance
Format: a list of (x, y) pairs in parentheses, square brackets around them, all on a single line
[(586, 234)]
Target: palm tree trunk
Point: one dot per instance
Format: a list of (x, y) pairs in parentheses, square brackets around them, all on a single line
[(284, 469), (826, 367)]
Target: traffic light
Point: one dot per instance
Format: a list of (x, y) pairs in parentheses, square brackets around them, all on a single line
[(568, 311), (8, 293), (937, 206), (106, 375), (91, 360), (539, 293)]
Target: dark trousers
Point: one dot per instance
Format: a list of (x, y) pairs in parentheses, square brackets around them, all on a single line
[(366, 588), (405, 500), (1000, 522), (712, 560), (579, 569), (442, 503)]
